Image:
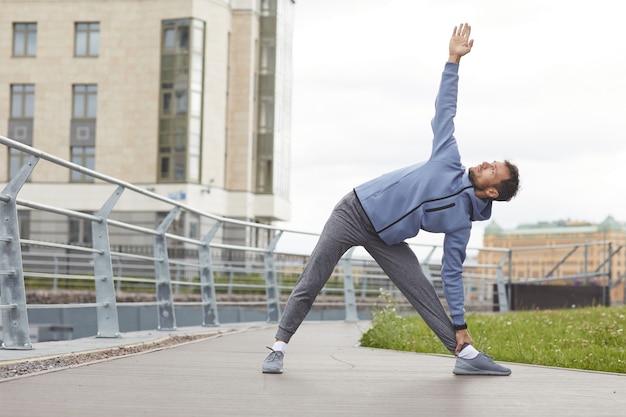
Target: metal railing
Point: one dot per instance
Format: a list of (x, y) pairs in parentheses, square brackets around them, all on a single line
[(207, 274)]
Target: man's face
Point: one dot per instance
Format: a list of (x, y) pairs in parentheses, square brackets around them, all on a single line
[(488, 174)]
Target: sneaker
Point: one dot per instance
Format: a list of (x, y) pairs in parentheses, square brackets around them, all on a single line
[(480, 365), (273, 364)]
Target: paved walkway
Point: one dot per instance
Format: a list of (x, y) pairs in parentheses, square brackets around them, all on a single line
[(326, 374)]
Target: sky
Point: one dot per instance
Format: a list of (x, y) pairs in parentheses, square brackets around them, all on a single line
[(543, 86)]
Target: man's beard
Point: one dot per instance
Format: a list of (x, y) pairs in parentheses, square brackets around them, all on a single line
[(472, 177)]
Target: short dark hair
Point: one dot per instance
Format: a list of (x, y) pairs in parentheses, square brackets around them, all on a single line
[(507, 189)]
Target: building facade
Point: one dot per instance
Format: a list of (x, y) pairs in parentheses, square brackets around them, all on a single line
[(190, 99), (562, 252)]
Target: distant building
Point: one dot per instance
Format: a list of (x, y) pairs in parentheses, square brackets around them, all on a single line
[(533, 261), (189, 98)]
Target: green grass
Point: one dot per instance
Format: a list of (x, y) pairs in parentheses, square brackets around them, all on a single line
[(585, 338)]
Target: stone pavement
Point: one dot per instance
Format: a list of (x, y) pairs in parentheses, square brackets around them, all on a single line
[(326, 374)]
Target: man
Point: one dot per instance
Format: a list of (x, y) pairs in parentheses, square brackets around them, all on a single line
[(438, 196)]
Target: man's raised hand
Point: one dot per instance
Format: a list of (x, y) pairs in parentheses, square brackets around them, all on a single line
[(460, 43)]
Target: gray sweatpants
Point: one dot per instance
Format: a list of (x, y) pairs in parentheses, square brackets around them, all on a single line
[(349, 226)]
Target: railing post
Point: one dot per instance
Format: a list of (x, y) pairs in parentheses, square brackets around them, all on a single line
[(364, 284), (207, 280), (607, 290), (271, 288), (426, 264), (106, 309), (55, 283), (503, 299), (586, 263), (15, 330), (348, 287), (162, 278), (231, 278), (119, 269)]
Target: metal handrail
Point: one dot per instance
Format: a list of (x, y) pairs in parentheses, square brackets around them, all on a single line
[(203, 274)]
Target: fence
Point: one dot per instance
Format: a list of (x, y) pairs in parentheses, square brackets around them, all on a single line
[(567, 275), (180, 270)]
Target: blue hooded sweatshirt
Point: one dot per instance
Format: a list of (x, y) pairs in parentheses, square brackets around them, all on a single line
[(435, 195)]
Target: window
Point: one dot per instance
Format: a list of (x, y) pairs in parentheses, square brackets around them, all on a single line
[(84, 156), (17, 159), (268, 6), (22, 101), (176, 36), (21, 123), (174, 100), (85, 101), (23, 218), (83, 130), (87, 41), (180, 115), (24, 39), (80, 232)]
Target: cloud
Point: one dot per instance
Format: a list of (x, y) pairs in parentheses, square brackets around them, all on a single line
[(543, 86)]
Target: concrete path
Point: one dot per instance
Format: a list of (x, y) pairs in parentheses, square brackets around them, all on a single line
[(326, 374)]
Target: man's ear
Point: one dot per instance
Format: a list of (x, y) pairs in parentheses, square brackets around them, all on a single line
[(492, 193)]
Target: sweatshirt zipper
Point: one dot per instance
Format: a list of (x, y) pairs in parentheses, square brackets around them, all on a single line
[(420, 205)]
